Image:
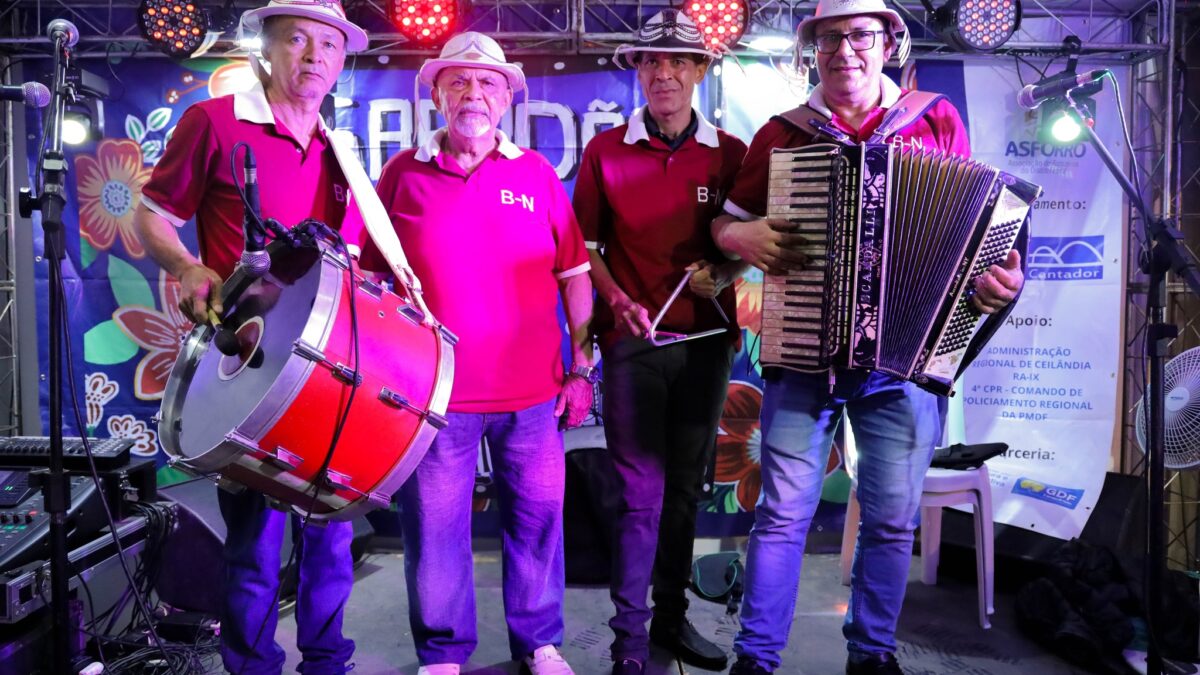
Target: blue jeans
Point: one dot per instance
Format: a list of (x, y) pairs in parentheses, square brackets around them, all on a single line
[(661, 405), (529, 469), (254, 534), (896, 426)]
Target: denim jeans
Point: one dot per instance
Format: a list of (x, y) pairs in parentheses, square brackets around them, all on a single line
[(529, 469), (661, 406), (896, 426), (254, 534)]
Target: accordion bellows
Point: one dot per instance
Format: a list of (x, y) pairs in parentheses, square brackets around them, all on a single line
[(895, 237)]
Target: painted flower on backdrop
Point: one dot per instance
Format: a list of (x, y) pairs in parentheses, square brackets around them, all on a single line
[(739, 442), (159, 333), (145, 439), (109, 187), (739, 445), (99, 391), (748, 289)]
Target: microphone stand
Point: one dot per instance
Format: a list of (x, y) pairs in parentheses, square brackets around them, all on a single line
[(55, 485), (1167, 255)]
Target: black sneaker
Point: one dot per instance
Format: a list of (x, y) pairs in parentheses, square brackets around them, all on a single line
[(685, 642), (748, 666), (627, 667), (877, 664)]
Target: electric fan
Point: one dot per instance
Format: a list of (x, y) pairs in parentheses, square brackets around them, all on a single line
[(1181, 423)]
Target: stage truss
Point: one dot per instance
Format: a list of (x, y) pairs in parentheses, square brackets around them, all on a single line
[(1142, 34)]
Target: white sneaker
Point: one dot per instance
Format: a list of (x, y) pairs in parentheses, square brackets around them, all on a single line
[(547, 661), (439, 669)]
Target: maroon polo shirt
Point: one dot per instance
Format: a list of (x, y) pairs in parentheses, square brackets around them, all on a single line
[(294, 183), (649, 209), (941, 128)]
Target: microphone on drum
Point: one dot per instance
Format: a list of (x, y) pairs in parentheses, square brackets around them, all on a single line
[(255, 260)]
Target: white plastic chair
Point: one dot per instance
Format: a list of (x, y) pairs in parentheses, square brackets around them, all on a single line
[(942, 487)]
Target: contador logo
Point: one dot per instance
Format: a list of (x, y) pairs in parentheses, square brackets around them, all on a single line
[(1066, 258), (1065, 497)]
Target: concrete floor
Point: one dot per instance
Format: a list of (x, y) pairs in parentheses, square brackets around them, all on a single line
[(939, 632)]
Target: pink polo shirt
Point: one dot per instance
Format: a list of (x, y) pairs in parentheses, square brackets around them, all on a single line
[(940, 128), (489, 249), (649, 208), (294, 183)]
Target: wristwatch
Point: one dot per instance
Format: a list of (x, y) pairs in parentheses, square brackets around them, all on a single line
[(589, 373)]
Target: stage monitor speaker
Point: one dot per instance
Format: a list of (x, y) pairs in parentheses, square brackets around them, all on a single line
[(193, 565), (1117, 523)]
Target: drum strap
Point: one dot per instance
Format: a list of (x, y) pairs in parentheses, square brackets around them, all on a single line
[(379, 224)]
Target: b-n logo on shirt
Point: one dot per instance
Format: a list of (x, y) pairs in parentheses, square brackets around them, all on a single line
[(707, 195), (507, 197), (898, 142)]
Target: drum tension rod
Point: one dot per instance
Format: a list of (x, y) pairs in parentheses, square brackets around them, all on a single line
[(399, 401), (339, 370)]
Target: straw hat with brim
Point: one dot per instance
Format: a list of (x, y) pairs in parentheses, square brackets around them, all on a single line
[(326, 11), (669, 31), (472, 50), (834, 9)]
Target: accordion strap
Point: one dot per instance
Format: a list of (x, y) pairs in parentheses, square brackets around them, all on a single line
[(815, 123), (911, 107)]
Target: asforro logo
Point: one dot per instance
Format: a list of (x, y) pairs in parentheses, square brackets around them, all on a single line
[(1066, 258)]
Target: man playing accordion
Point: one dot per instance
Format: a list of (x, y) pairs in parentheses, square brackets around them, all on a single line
[(896, 424)]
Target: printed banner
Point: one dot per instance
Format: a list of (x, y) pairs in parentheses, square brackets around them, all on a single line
[(1047, 384)]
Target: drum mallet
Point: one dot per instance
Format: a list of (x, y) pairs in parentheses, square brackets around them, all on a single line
[(225, 339)]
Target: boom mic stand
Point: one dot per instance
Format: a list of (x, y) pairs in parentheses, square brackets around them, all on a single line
[(1167, 255), (50, 201)]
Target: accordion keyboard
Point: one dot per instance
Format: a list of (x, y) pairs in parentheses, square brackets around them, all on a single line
[(796, 314)]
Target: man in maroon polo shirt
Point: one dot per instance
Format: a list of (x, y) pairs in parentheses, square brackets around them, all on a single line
[(896, 424), (489, 231), (304, 46), (645, 195)]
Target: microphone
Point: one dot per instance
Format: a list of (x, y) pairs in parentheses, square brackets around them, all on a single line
[(61, 29), (1033, 94), (254, 259), (32, 94)]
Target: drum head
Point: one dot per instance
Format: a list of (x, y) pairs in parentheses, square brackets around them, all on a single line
[(244, 392)]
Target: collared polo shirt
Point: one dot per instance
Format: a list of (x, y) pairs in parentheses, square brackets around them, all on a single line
[(941, 128), (649, 208), (489, 248), (294, 182)]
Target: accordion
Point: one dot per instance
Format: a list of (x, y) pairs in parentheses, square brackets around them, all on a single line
[(895, 238)]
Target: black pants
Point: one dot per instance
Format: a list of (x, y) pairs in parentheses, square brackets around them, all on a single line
[(661, 407)]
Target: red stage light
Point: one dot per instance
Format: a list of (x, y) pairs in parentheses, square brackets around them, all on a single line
[(427, 22), (721, 22), (171, 27)]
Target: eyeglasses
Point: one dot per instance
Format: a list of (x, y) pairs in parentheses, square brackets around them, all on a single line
[(860, 41)]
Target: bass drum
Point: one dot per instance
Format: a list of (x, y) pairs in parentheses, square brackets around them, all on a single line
[(266, 417)]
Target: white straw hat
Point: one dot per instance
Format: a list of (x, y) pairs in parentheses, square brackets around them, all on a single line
[(668, 31), (472, 50), (831, 9), (326, 11)]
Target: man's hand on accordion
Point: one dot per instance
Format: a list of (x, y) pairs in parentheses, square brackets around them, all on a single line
[(999, 285), (768, 244)]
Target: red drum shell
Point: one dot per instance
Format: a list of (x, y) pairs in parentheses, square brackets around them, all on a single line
[(266, 418)]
